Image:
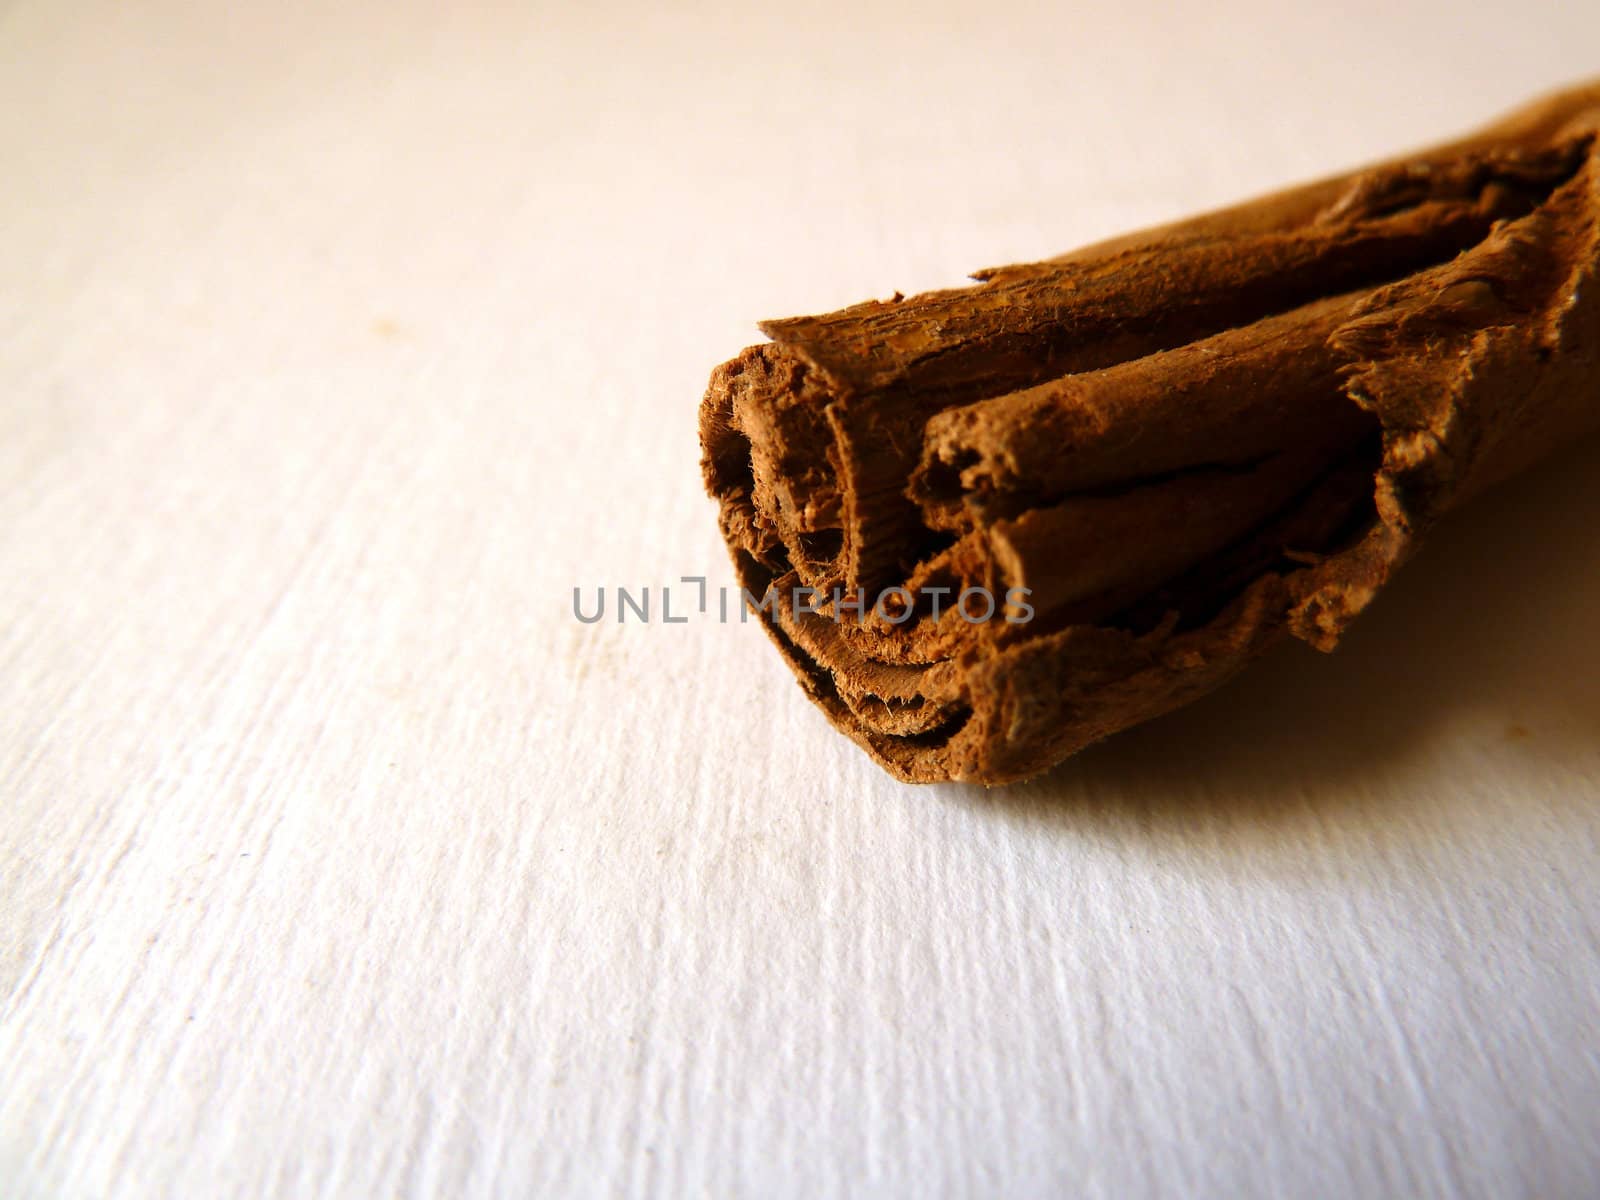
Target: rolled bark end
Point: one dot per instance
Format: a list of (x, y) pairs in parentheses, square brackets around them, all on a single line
[(1180, 446)]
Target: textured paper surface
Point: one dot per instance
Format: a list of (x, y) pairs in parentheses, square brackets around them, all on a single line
[(339, 860)]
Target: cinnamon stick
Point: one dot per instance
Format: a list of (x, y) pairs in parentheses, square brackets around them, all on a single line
[(1155, 457)]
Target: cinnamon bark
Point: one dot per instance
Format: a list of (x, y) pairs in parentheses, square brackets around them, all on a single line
[(1168, 451)]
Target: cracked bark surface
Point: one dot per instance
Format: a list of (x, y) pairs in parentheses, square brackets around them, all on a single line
[(1186, 443)]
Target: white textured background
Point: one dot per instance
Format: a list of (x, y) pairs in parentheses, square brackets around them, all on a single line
[(338, 860)]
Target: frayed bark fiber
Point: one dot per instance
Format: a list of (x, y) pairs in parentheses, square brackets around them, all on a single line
[(1170, 450)]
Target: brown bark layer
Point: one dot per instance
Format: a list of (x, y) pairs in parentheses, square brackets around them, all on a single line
[(1183, 444)]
